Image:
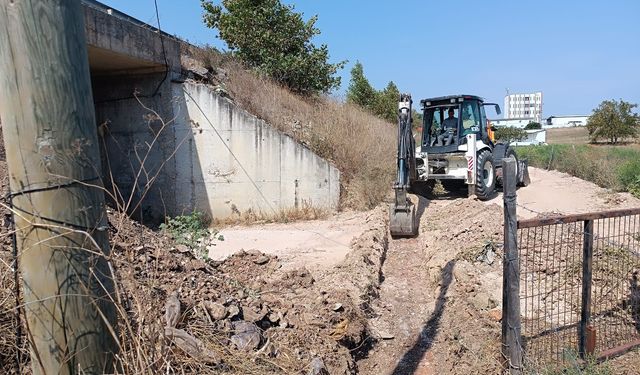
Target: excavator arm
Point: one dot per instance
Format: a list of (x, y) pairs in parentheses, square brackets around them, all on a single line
[(402, 213)]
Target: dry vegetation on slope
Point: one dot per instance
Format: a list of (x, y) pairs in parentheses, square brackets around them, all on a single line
[(362, 146), (245, 315)]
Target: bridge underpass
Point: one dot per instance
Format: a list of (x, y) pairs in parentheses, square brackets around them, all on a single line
[(171, 146)]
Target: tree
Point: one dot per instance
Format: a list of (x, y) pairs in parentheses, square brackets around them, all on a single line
[(417, 119), (383, 104), (386, 104), (274, 39), (613, 121), (533, 126), (360, 91), (510, 134)]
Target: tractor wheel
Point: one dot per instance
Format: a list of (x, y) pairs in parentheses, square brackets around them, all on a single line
[(510, 152), (485, 175)]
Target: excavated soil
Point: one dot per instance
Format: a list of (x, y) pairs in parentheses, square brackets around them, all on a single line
[(437, 306), (424, 305), (300, 322), (252, 313), (439, 310)]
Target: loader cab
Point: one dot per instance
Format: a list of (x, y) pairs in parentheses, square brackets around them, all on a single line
[(469, 114)]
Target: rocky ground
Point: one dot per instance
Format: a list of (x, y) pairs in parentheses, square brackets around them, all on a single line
[(424, 305)]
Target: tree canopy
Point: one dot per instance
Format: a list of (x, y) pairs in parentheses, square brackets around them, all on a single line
[(613, 121), (383, 103), (510, 134), (386, 105), (275, 40), (360, 91), (533, 125)]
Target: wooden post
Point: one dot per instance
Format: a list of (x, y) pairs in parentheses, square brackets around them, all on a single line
[(511, 346), (587, 267), (53, 159)]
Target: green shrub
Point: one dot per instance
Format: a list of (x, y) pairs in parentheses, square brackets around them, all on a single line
[(275, 39), (610, 167), (533, 126), (629, 173), (510, 134), (192, 231), (634, 187)]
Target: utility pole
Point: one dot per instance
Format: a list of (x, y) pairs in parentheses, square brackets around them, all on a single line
[(53, 160)]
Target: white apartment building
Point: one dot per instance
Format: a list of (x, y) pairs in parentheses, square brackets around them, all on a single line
[(523, 106)]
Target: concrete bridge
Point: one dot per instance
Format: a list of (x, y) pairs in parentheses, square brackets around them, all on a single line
[(201, 152)]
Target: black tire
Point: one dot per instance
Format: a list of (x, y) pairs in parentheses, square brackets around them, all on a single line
[(485, 175), (510, 152)]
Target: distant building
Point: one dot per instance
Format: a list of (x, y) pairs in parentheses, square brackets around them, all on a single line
[(534, 137), (565, 121), (523, 106), (513, 122)]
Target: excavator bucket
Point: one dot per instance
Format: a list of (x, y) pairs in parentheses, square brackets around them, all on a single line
[(402, 213), (402, 220)]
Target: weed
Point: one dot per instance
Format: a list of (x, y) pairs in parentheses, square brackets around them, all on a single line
[(634, 187), (576, 366), (438, 188), (192, 231)]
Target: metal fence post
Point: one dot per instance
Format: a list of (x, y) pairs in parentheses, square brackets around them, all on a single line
[(587, 267), (511, 348)]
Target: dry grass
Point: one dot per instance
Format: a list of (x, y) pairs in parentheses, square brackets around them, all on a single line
[(8, 323), (284, 215), (574, 135), (148, 266), (362, 146), (613, 167), (579, 135)]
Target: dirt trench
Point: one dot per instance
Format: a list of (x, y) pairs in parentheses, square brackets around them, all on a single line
[(359, 303), (439, 307)]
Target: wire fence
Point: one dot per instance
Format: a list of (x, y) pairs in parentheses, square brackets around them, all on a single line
[(579, 293)]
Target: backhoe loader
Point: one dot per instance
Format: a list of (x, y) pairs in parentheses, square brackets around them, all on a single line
[(457, 147)]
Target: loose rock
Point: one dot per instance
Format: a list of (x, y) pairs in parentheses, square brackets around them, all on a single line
[(317, 367), (233, 311), (247, 336), (215, 310)]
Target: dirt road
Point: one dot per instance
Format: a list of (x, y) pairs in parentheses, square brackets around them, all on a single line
[(318, 244), (557, 192), (438, 305)]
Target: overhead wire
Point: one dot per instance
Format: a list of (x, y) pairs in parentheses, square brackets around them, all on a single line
[(164, 53)]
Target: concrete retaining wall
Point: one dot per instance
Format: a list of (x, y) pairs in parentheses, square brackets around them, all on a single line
[(230, 161), (185, 166)]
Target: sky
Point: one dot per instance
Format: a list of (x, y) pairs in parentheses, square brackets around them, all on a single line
[(578, 53)]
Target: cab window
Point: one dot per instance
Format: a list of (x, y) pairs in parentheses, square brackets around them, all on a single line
[(434, 122), (470, 117)]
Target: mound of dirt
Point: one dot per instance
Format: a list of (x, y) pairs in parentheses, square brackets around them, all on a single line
[(294, 320), (244, 315)]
